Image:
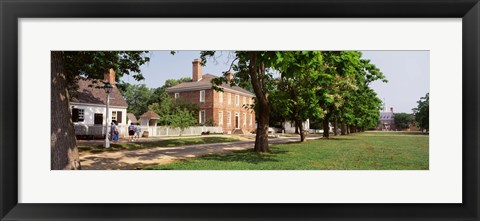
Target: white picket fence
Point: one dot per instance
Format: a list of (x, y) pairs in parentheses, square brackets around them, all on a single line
[(166, 131), (158, 131)]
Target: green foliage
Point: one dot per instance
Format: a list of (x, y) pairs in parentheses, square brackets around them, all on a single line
[(181, 118), (295, 94), (403, 120), (421, 112), (312, 85), (94, 64), (138, 98), (173, 82), (175, 113)]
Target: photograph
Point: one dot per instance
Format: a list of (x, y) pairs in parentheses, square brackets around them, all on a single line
[(240, 110)]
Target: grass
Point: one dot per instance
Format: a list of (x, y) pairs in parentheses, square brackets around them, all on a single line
[(153, 144), (359, 151)]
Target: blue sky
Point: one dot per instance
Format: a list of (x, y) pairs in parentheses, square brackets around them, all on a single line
[(407, 72)]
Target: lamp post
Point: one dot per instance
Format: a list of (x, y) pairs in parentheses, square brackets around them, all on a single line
[(108, 89)]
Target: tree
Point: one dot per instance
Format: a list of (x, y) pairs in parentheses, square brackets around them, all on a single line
[(251, 67), (66, 68), (348, 99), (421, 112), (403, 120), (138, 98), (181, 118), (169, 107), (295, 95)]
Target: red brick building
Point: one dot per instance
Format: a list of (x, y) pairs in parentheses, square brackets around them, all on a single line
[(224, 109)]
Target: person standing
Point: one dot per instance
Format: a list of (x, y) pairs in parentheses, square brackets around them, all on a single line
[(137, 132), (131, 131), (116, 133), (112, 131)]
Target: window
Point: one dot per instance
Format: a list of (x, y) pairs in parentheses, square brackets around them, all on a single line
[(77, 115), (177, 95), (220, 97), (114, 116), (229, 118), (201, 117), (237, 100), (229, 97), (98, 119), (244, 101), (244, 119), (251, 119), (119, 117), (202, 96), (220, 118)]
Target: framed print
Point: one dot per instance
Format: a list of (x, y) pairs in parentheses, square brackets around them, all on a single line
[(427, 177)]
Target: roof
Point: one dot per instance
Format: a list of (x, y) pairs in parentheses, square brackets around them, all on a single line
[(131, 117), (151, 115), (205, 83), (387, 116), (93, 93)]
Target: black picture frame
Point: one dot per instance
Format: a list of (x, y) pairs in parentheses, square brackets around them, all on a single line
[(11, 11)]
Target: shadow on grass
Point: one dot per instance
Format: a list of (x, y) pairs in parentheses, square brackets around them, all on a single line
[(247, 156), (396, 133), (243, 156), (154, 144), (337, 139)]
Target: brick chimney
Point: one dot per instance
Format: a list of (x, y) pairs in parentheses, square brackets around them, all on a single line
[(391, 109), (229, 76), (196, 70), (110, 76)]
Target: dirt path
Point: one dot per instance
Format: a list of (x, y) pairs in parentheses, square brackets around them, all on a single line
[(136, 159)]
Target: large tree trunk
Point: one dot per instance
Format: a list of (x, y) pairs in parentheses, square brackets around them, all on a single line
[(299, 125), (257, 75), (261, 138), (64, 152), (344, 128), (352, 129), (335, 126), (326, 128)]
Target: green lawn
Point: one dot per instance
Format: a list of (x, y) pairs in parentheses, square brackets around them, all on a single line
[(360, 151), (160, 143)]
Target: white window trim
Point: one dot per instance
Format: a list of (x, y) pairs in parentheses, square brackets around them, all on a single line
[(229, 98), (220, 97), (114, 116), (200, 117), (237, 100), (244, 100), (229, 119), (202, 98), (251, 119), (220, 118), (244, 119), (177, 95)]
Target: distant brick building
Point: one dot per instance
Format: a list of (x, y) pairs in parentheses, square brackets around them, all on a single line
[(387, 120), (224, 109)]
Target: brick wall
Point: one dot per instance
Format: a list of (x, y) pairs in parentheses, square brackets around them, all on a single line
[(213, 107)]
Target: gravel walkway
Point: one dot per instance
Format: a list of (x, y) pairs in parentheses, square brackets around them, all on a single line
[(137, 159)]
